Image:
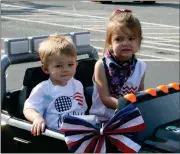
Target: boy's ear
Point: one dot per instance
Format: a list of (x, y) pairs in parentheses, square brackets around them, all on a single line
[(76, 64), (44, 68)]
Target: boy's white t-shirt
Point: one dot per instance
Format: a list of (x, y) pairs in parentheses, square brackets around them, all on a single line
[(130, 86), (53, 101)]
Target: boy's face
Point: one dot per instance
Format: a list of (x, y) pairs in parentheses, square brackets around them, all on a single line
[(60, 68)]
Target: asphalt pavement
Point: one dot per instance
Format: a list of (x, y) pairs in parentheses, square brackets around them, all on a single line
[(160, 25)]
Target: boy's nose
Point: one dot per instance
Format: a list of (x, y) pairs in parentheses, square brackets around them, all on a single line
[(65, 69)]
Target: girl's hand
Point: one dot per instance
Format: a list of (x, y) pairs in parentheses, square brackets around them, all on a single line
[(38, 125)]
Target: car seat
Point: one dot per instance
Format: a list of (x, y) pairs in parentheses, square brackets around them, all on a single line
[(84, 73), (35, 75), (32, 77)]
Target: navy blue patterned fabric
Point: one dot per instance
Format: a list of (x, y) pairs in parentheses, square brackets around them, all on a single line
[(63, 103), (117, 72)]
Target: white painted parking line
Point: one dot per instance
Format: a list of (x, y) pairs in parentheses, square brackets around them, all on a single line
[(161, 34), (48, 23), (57, 12), (163, 44), (82, 15), (160, 48), (82, 28), (153, 47), (91, 25), (90, 20), (163, 39), (171, 59), (174, 28), (167, 41), (148, 23), (2, 52), (145, 41), (29, 15), (172, 37), (159, 60), (86, 1), (155, 58), (155, 41)]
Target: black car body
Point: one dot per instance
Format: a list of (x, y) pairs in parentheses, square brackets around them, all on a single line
[(107, 2), (160, 111)]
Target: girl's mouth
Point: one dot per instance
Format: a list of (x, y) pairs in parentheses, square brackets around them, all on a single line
[(126, 50)]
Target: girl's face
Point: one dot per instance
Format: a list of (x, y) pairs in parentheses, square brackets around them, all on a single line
[(60, 68), (124, 44)]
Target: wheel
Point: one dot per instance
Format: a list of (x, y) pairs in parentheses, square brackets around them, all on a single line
[(104, 2), (149, 2), (146, 2)]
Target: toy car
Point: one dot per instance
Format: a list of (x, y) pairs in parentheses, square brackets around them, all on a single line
[(107, 2), (159, 106)]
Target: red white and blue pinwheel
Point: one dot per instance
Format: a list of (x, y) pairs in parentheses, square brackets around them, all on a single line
[(84, 137)]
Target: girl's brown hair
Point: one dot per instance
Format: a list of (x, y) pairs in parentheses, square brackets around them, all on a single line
[(122, 19)]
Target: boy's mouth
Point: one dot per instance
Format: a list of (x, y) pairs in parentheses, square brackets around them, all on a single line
[(67, 75)]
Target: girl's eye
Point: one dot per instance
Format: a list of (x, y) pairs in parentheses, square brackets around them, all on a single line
[(118, 39), (132, 38)]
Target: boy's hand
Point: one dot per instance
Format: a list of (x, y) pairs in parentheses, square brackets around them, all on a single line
[(38, 125)]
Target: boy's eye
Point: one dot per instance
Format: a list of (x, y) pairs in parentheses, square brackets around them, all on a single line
[(70, 64), (58, 65)]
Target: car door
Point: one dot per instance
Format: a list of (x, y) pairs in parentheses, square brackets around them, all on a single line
[(16, 137)]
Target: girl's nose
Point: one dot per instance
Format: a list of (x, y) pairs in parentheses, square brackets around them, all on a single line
[(125, 42)]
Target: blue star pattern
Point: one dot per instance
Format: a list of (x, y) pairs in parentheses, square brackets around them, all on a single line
[(63, 103)]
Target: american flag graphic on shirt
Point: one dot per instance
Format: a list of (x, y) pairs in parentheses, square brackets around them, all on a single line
[(79, 98)]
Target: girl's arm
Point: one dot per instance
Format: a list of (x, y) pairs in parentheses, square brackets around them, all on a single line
[(102, 85), (141, 87)]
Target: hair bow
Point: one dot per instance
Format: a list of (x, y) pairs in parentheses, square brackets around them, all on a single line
[(84, 137), (122, 10)]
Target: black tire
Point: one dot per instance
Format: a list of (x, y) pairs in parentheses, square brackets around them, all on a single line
[(149, 2), (104, 2)]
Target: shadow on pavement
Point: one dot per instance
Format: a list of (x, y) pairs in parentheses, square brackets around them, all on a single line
[(30, 10)]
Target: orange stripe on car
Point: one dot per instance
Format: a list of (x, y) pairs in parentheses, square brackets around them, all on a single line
[(163, 88), (151, 91), (174, 85), (130, 97)]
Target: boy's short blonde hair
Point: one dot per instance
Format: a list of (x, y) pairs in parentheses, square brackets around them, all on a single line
[(56, 45)]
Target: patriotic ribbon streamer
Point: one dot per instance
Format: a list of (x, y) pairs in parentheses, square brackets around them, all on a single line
[(84, 137)]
